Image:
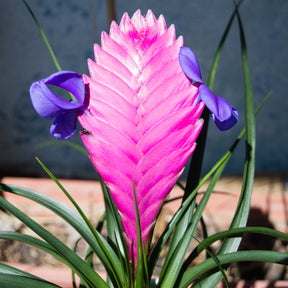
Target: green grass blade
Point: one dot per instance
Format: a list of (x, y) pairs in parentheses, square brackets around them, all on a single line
[(86, 273), (209, 265), (50, 50)]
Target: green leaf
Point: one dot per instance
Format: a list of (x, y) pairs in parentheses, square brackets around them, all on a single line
[(29, 240), (50, 50), (66, 213), (114, 231), (209, 265), (86, 273), (16, 281), (213, 69), (67, 143), (197, 157), (179, 214), (140, 275), (242, 211), (73, 274), (117, 274), (7, 269), (11, 277), (171, 271), (237, 232)]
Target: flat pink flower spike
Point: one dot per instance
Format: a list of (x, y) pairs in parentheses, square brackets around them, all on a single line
[(142, 120)]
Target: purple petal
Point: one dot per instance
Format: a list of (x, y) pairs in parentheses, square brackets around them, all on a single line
[(226, 124), (222, 113), (70, 81), (64, 125), (47, 104), (41, 103), (189, 64)]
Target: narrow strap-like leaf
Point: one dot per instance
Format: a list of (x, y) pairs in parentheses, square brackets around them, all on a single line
[(194, 171), (65, 212), (6, 269), (111, 259), (85, 272), (29, 240), (139, 282), (179, 214), (208, 265), (11, 277), (237, 232), (171, 271), (16, 281), (50, 50), (242, 211), (114, 234), (67, 143), (213, 69), (195, 168), (114, 230)]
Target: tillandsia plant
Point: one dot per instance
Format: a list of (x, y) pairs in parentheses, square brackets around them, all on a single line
[(139, 115), (140, 111)]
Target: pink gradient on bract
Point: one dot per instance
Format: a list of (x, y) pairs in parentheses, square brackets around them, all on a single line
[(142, 120)]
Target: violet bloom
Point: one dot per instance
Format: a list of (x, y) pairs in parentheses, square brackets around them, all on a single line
[(223, 114), (49, 106), (142, 122)]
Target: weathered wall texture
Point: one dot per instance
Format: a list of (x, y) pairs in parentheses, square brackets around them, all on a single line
[(73, 26)]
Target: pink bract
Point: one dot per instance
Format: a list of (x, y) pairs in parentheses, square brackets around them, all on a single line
[(142, 122)]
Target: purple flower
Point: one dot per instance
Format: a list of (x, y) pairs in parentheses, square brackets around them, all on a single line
[(223, 114), (48, 105)]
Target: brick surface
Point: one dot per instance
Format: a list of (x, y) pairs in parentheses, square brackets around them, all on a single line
[(87, 194), (269, 202), (62, 277), (269, 195)]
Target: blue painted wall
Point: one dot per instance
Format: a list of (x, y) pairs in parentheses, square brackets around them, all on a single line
[(73, 26)]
